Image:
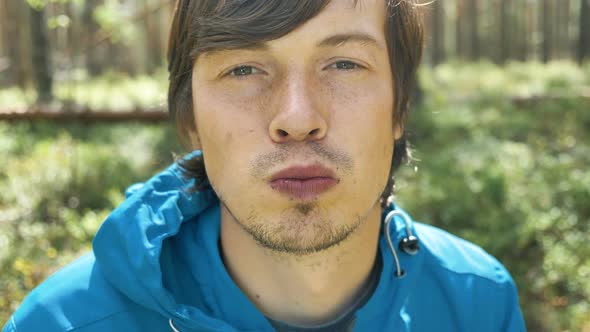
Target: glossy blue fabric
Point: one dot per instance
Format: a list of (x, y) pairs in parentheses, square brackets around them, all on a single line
[(156, 262)]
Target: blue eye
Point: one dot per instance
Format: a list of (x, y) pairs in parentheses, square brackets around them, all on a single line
[(345, 65), (243, 71)]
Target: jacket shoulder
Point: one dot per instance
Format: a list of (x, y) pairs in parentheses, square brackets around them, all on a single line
[(76, 296), (459, 256), (462, 276)]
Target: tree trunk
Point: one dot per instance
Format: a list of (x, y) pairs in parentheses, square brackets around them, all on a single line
[(504, 39), (438, 33), (584, 37), (547, 37), (491, 42), (474, 30), (152, 29), (459, 29), (563, 36), (529, 31), (94, 53), (521, 32), (6, 74), (18, 34), (75, 36), (40, 56)]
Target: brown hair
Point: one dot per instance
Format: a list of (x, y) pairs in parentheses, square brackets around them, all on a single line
[(199, 26)]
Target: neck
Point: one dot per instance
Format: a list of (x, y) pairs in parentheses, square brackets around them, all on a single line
[(308, 289)]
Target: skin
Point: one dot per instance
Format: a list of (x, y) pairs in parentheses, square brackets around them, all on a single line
[(305, 98)]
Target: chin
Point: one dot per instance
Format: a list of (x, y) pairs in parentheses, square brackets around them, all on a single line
[(302, 230)]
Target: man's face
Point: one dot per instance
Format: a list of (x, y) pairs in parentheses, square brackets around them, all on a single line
[(320, 97)]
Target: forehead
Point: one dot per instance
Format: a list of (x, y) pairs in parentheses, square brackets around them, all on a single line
[(246, 24), (374, 10), (341, 17)]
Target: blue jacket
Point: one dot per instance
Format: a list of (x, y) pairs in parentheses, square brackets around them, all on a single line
[(155, 266)]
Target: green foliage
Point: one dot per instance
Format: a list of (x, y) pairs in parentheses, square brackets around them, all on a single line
[(40, 4), (116, 91), (508, 175), (516, 79), (111, 91), (114, 18), (59, 183), (14, 98), (59, 21), (511, 177)]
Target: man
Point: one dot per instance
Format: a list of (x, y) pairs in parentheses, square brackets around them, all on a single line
[(280, 219)]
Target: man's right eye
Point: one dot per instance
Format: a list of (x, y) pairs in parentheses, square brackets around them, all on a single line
[(243, 71)]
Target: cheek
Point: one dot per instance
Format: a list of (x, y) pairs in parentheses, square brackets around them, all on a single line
[(362, 121), (363, 113), (227, 129)]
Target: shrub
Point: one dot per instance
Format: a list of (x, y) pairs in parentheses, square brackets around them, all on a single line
[(507, 173), (511, 177), (59, 183)]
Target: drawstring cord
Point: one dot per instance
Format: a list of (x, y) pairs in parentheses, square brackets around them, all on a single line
[(399, 273), (172, 325)]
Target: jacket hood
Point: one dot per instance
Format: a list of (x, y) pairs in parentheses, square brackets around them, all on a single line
[(138, 244), (129, 244)]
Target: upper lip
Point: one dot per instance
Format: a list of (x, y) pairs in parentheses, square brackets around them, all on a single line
[(304, 172)]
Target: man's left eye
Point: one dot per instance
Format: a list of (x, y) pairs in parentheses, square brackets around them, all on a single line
[(241, 71), (345, 65)]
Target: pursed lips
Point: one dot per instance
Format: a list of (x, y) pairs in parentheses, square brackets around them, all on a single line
[(304, 183)]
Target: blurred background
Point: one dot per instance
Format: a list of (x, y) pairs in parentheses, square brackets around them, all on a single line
[(500, 127)]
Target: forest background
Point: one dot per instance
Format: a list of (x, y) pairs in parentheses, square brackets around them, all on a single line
[(501, 129)]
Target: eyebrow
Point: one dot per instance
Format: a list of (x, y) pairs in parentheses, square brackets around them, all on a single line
[(346, 38), (331, 41)]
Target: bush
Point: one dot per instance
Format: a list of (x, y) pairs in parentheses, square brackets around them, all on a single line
[(511, 177), (507, 173), (59, 184)]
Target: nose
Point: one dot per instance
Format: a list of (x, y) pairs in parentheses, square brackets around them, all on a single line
[(300, 115)]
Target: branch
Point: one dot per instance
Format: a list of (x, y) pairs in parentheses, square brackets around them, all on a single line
[(142, 115)]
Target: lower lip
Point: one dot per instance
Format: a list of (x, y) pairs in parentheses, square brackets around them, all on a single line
[(303, 189)]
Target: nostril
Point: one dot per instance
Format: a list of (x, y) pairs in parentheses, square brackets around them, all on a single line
[(313, 132), (282, 133)]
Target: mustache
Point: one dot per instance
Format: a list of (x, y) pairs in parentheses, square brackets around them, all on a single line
[(311, 150)]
